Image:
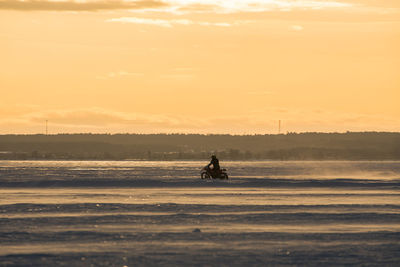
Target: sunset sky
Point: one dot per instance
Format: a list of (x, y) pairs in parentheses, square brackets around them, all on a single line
[(199, 66)]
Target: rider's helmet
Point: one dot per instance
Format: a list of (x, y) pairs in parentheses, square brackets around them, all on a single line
[(213, 156)]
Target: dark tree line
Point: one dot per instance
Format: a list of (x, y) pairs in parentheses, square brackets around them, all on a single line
[(291, 146)]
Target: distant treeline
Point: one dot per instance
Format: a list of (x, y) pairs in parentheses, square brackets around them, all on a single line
[(290, 146)]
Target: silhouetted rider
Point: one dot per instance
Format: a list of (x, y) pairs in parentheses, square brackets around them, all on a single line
[(215, 163)]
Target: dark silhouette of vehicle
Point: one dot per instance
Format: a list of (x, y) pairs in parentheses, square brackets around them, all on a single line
[(208, 173)]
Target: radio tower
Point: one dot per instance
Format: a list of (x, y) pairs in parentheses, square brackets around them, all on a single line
[(279, 127)]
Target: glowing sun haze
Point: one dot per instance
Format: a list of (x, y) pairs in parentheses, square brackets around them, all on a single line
[(199, 66)]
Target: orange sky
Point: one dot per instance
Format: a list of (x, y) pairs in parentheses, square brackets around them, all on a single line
[(202, 66)]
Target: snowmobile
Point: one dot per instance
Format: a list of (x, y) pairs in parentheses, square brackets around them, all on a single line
[(208, 173)]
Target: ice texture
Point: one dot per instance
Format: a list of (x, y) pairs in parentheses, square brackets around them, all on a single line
[(146, 213)]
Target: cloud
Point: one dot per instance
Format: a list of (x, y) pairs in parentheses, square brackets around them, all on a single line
[(326, 120), (119, 74), (179, 7), (239, 6), (204, 6), (262, 121), (104, 120), (134, 20), (98, 117), (68, 5), (167, 23), (297, 28)]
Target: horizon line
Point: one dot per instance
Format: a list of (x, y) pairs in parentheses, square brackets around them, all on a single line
[(204, 134)]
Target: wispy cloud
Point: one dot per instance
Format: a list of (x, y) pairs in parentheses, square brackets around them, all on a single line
[(181, 7), (119, 74), (98, 117), (297, 28), (167, 23), (68, 5), (262, 121), (237, 6), (202, 6)]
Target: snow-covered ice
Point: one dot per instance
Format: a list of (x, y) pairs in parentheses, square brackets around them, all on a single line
[(133, 213)]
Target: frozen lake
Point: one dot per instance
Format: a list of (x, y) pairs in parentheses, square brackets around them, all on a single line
[(130, 213)]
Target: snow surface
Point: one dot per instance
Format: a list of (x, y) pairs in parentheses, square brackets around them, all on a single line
[(137, 213)]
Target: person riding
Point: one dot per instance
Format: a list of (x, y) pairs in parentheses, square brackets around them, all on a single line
[(216, 169)]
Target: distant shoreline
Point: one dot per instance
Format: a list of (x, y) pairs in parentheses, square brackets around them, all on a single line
[(354, 146)]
